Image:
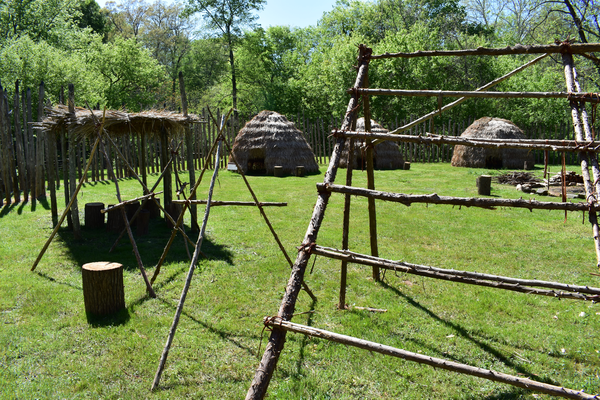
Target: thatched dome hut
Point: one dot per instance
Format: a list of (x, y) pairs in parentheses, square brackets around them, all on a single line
[(270, 139), (480, 157), (386, 155)]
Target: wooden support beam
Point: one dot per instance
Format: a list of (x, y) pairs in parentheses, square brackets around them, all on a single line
[(563, 48), (527, 286), (489, 203), (593, 98), (570, 146), (189, 147), (131, 201), (591, 187), (232, 203), (281, 324)]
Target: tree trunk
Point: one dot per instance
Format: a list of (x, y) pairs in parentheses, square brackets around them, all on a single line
[(103, 290)]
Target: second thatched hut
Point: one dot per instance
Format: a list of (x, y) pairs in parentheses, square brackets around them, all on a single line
[(492, 158), (386, 155), (270, 140)]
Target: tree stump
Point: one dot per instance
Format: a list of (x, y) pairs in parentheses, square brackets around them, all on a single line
[(174, 210), (103, 290), (278, 171), (143, 220), (484, 185), (114, 221), (153, 208), (406, 165), (300, 170), (94, 218), (130, 209)]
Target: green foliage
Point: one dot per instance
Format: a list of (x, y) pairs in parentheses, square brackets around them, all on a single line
[(132, 77)]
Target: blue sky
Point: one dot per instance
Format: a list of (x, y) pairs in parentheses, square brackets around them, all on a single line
[(299, 13)]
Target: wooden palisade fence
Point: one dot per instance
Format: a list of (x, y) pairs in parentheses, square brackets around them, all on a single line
[(27, 166)]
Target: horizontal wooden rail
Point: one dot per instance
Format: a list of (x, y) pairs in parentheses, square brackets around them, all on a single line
[(430, 139), (278, 323), (231, 203), (578, 48), (124, 203), (349, 256), (489, 203), (587, 97)]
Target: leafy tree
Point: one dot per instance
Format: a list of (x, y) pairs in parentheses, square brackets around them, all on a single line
[(127, 18), (227, 18), (91, 16)]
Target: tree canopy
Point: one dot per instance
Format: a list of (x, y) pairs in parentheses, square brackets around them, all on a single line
[(130, 53)]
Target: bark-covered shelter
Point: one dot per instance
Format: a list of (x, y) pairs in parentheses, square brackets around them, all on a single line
[(270, 140), (494, 158), (386, 155)]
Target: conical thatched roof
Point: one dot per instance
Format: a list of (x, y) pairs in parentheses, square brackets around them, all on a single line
[(116, 122), (386, 155), (479, 157), (270, 140)]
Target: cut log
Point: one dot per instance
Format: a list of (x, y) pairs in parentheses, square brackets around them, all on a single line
[(300, 170), (115, 222), (130, 209), (143, 220), (484, 185), (94, 218), (154, 207), (174, 211), (406, 165), (103, 290), (278, 171)]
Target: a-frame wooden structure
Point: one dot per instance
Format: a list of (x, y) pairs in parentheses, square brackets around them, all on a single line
[(584, 144)]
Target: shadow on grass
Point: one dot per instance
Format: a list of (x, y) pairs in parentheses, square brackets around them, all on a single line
[(224, 335), (119, 318), (96, 244), (463, 333), (304, 341), (51, 279)]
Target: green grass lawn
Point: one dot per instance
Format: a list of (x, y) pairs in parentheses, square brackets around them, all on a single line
[(48, 349)]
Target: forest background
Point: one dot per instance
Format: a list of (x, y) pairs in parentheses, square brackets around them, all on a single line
[(128, 54)]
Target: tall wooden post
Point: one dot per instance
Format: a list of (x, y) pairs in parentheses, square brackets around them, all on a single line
[(189, 153), (371, 182), (72, 166), (40, 189), (5, 135), (19, 149), (164, 163)]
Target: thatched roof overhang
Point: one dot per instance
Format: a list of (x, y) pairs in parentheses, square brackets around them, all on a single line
[(83, 123)]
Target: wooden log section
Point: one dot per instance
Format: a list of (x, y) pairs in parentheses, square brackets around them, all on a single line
[(278, 323), (103, 290), (528, 144), (232, 203), (94, 218), (474, 278), (408, 199), (484, 185), (264, 372), (578, 48), (583, 97), (143, 222), (114, 221)]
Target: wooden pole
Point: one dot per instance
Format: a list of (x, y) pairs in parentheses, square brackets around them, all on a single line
[(66, 212), (281, 324), (19, 147), (40, 191), (346, 222), (72, 166), (264, 372), (471, 278), (189, 152), (562, 48), (5, 137), (188, 280), (232, 203), (371, 181), (590, 188), (489, 203), (583, 97)]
